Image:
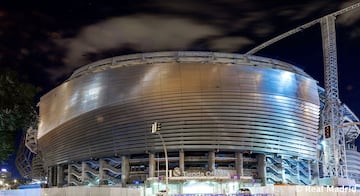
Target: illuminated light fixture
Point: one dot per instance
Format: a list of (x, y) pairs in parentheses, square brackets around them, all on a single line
[(3, 170)]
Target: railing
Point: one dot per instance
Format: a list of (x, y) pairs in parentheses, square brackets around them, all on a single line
[(94, 172), (181, 56), (111, 169), (75, 173), (76, 166), (274, 168), (304, 180), (273, 177), (115, 162)]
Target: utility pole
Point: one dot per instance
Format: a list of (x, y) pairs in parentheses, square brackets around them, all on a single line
[(155, 128)]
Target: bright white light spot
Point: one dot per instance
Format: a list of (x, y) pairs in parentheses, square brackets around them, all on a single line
[(286, 76), (74, 98), (279, 98), (3, 170), (92, 93), (323, 143), (198, 187), (286, 81)]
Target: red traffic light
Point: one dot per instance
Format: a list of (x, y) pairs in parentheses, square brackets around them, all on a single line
[(327, 131)]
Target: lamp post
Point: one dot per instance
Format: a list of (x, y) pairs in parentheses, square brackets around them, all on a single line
[(155, 128)]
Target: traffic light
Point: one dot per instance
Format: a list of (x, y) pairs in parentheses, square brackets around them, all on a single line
[(327, 132), (158, 126)]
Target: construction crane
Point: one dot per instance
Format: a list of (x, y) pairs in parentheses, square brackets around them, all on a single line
[(333, 158), (298, 29)]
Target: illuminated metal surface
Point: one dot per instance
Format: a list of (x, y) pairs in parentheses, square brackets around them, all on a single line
[(353, 160), (203, 100)]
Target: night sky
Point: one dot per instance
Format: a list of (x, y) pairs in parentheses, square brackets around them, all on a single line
[(46, 40)]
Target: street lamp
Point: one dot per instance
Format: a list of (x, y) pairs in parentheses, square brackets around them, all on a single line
[(155, 128)]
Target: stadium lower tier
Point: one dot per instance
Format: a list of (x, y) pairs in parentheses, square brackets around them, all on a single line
[(241, 168)]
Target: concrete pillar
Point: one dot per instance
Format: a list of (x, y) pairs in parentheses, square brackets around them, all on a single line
[(211, 160), (239, 163), (69, 174), (182, 169), (101, 171), (181, 187), (83, 166), (125, 170), (298, 171), (60, 175), (309, 170), (261, 168), (53, 176), (182, 161), (50, 177), (151, 165), (282, 170)]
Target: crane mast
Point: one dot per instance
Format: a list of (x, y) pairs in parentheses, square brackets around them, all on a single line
[(333, 157)]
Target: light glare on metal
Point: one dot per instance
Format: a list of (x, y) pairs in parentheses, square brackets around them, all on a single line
[(154, 127), (323, 143)]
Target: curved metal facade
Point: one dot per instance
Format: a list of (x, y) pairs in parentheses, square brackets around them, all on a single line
[(202, 100), (353, 160)]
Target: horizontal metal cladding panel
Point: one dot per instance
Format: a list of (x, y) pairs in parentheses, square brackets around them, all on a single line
[(227, 83), (353, 161), (203, 120)]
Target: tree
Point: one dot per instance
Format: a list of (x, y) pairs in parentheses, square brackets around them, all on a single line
[(17, 110)]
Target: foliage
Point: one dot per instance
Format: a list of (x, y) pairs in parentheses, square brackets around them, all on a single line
[(17, 110)]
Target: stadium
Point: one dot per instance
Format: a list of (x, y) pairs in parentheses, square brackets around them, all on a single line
[(223, 121)]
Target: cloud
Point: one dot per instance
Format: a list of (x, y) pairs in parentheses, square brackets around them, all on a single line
[(229, 44), (137, 32), (179, 28), (302, 11), (355, 33), (351, 17), (263, 29)]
